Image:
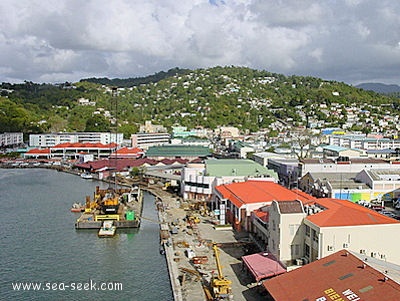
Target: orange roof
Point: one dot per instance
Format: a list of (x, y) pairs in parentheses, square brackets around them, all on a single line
[(346, 213), (126, 150), (340, 276), (262, 215), (251, 192), (84, 145), (38, 151)]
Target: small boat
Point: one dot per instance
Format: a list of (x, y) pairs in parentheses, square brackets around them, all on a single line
[(107, 229), (77, 207), (86, 175)]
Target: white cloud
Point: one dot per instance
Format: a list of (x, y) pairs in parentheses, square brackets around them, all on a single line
[(63, 40)]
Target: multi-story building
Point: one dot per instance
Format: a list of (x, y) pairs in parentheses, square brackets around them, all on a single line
[(73, 151), (332, 225), (297, 226), (337, 185), (343, 165), (199, 179), (263, 157), (237, 201), (287, 170), (363, 142), (53, 139), (11, 139), (146, 140)]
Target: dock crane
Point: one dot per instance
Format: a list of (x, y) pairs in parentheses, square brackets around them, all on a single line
[(221, 286)]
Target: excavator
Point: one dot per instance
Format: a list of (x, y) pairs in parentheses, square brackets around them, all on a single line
[(221, 287)]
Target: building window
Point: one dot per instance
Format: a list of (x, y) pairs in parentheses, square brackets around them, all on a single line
[(307, 231), (295, 250), (293, 228), (273, 226), (307, 251), (315, 236)]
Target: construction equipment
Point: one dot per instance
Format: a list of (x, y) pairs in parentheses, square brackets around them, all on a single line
[(221, 287)]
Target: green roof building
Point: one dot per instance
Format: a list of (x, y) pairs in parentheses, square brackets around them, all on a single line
[(198, 180), (236, 167), (177, 151)]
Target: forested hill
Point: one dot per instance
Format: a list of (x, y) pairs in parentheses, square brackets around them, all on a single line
[(130, 82), (238, 96)]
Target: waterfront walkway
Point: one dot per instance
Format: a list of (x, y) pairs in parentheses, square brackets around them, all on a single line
[(188, 278)]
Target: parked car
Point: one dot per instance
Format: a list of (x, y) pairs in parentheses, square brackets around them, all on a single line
[(390, 214)]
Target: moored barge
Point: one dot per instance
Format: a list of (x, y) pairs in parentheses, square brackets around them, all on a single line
[(122, 206)]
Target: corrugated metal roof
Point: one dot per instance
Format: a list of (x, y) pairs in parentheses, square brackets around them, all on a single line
[(263, 265), (237, 167), (178, 151), (345, 278)]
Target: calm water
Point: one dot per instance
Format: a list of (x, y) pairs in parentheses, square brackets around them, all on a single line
[(38, 243)]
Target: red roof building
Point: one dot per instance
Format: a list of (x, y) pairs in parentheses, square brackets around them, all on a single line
[(238, 200), (340, 276), (38, 153), (74, 150), (298, 228), (128, 153)]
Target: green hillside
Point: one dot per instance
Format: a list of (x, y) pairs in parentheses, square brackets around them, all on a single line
[(237, 96)]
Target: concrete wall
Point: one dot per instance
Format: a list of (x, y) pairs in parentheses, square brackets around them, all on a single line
[(380, 241)]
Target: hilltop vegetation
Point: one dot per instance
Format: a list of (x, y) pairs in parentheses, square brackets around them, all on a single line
[(220, 96)]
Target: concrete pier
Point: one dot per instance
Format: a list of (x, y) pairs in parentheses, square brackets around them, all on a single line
[(188, 277)]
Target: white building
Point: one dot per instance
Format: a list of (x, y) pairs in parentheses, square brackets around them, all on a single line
[(297, 228), (363, 142), (198, 180), (332, 225), (53, 139), (352, 165), (9, 139), (263, 157), (145, 140)]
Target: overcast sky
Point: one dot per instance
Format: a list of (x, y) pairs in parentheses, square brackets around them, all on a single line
[(52, 41)]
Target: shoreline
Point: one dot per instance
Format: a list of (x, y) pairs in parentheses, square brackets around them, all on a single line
[(167, 247), (189, 280)]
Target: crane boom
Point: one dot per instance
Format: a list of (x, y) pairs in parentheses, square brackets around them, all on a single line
[(219, 267), (221, 286)]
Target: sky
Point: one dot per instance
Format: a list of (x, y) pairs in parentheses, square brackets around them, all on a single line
[(53, 41)]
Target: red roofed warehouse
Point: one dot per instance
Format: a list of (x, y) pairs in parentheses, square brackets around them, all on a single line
[(340, 276)]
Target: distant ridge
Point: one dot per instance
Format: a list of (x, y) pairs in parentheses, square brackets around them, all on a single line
[(129, 82), (379, 88)]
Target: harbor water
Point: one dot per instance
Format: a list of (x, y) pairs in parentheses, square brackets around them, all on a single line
[(41, 248)]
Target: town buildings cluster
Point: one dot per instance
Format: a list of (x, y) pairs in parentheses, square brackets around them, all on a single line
[(298, 210)]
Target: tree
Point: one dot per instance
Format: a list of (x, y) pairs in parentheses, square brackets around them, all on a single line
[(97, 123)]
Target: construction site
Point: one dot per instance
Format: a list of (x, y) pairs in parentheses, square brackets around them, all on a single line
[(204, 260)]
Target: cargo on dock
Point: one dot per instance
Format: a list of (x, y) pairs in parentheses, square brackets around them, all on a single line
[(122, 206)]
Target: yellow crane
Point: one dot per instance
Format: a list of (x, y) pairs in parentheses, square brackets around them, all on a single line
[(221, 286)]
